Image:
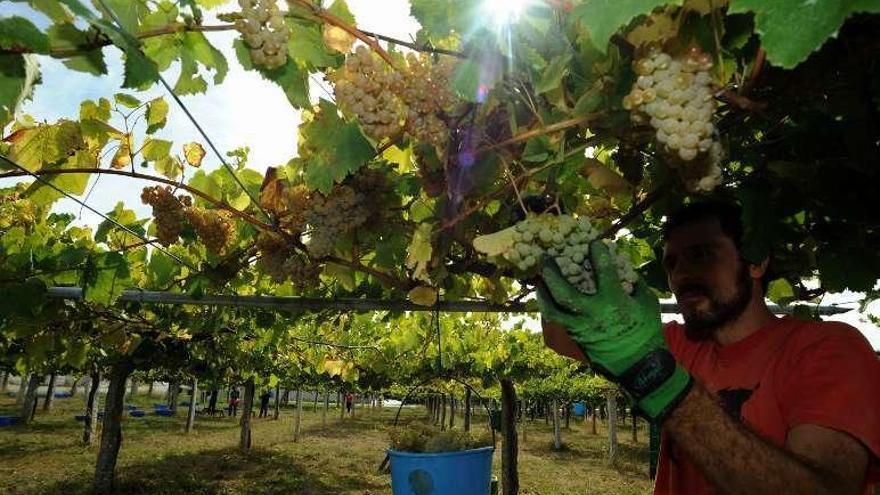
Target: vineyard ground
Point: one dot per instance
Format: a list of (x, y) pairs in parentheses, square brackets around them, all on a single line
[(158, 458)]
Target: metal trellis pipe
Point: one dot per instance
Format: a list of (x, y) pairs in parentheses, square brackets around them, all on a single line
[(285, 303)]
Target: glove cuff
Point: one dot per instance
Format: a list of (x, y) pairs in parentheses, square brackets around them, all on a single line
[(656, 382), (660, 402)]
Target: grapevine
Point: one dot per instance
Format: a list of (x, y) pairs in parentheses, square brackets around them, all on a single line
[(567, 240), (675, 96), (215, 228), (264, 31), (167, 212)]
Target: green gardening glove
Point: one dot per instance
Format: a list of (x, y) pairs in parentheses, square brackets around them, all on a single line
[(621, 334)]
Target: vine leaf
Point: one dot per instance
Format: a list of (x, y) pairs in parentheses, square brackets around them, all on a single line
[(19, 34), (157, 115), (495, 244), (18, 76), (90, 62), (423, 295), (792, 29), (194, 154), (419, 252), (289, 77), (333, 148), (603, 18)]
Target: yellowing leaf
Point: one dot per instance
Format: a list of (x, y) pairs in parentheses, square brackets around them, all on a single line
[(658, 27), (338, 39), (418, 254), (403, 158), (423, 295), (333, 367), (194, 153), (496, 243), (603, 178), (122, 158)]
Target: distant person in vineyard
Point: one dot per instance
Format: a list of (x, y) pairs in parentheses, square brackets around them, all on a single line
[(349, 399), (749, 402), (233, 402), (264, 403)]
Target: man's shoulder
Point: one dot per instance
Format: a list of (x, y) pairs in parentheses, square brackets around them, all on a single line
[(807, 334)]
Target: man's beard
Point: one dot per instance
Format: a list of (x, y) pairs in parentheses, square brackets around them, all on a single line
[(700, 325)]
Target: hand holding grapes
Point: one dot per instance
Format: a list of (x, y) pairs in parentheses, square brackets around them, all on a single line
[(620, 334)]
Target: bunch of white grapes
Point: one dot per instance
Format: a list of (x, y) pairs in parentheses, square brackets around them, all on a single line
[(264, 31), (674, 95), (365, 89), (567, 240)]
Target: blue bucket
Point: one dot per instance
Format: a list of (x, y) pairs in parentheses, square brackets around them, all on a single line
[(9, 420), (466, 472), (579, 409)]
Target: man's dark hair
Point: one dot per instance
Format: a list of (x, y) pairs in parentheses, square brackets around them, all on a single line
[(729, 216)]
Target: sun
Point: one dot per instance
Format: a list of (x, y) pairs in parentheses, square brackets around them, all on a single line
[(503, 12)]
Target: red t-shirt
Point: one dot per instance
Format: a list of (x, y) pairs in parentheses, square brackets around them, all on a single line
[(787, 373)]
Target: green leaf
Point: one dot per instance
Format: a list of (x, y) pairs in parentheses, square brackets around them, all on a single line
[(122, 216), (74, 184), (126, 100), (110, 278), (552, 77), (155, 149), (207, 184), (91, 62), (197, 46), (306, 46), (332, 148), (439, 19), (792, 29), (157, 115), (758, 220), (22, 299), (848, 264), (780, 291), (169, 167), (53, 10), (18, 76), (162, 268), (603, 18), (140, 71), (290, 77), (472, 81), (20, 35), (340, 10), (98, 111)]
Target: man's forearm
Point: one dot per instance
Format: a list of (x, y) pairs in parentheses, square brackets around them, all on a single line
[(736, 460)]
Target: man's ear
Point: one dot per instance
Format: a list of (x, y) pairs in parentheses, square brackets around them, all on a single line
[(757, 271)]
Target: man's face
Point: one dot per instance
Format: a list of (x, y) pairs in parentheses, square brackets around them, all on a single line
[(711, 283)]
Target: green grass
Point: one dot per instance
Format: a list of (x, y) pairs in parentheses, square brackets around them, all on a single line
[(158, 458)]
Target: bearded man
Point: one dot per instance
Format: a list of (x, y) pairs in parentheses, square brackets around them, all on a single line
[(749, 402)]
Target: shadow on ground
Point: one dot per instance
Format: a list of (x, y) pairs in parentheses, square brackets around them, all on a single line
[(259, 472)]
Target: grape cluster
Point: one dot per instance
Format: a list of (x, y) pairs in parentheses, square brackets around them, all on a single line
[(282, 263), (567, 240), (387, 102), (294, 203), (364, 90), (426, 95), (333, 216), (675, 96), (215, 228), (264, 31), (167, 212)]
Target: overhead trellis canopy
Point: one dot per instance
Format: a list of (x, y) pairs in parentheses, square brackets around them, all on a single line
[(285, 303)]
